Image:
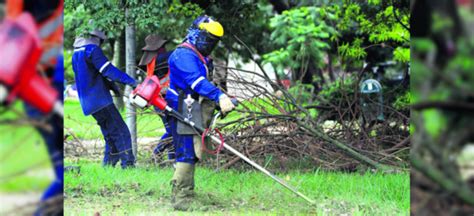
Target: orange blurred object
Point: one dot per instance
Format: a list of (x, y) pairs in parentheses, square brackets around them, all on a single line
[(50, 31)]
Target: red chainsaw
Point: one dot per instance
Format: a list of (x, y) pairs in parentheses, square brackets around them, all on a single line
[(19, 56), (148, 94)]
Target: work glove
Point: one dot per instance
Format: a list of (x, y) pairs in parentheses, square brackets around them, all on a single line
[(279, 94), (112, 86), (226, 104)]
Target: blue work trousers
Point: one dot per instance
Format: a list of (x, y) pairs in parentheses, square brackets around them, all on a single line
[(118, 142), (162, 146), (183, 144)]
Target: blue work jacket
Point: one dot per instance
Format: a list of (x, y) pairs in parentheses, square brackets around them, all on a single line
[(189, 74), (94, 75)]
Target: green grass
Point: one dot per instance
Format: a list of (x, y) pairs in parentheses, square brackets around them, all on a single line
[(21, 148), (146, 190), (25, 183), (149, 124)]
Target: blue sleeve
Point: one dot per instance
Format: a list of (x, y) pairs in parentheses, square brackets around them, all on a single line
[(58, 76), (194, 76), (107, 70)]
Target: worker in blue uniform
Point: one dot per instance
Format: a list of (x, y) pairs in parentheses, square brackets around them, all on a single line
[(43, 19), (189, 85), (95, 76)]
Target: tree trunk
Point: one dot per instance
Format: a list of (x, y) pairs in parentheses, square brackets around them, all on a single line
[(119, 62), (131, 117), (306, 76), (279, 5), (315, 70), (330, 68)]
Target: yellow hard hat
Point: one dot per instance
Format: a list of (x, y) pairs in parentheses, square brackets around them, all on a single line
[(212, 27)]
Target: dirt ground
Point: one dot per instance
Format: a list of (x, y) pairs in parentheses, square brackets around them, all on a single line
[(18, 203)]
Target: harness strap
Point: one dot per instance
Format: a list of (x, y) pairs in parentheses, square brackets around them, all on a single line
[(51, 33), (191, 47), (13, 8), (164, 81), (200, 56), (150, 67)]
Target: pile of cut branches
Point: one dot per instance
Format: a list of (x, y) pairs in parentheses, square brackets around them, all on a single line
[(272, 125)]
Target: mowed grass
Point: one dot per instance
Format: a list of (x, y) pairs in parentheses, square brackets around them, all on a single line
[(147, 191), (22, 155), (149, 124)]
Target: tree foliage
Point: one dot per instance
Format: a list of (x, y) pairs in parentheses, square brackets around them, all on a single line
[(353, 32), (376, 23), (303, 35), (442, 119), (169, 19)]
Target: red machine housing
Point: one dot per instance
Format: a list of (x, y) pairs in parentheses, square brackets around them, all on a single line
[(19, 55), (149, 90)]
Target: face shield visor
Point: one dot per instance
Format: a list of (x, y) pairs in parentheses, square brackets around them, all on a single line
[(206, 42)]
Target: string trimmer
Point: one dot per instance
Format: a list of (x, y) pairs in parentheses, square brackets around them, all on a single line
[(19, 77), (148, 94)]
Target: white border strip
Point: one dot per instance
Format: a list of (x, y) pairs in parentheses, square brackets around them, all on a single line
[(79, 49), (197, 82), (173, 91), (104, 65)]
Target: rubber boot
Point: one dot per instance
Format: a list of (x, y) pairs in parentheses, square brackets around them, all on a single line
[(182, 186)]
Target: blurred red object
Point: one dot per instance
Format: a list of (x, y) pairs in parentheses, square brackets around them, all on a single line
[(20, 52), (286, 83), (149, 90), (464, 2)]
